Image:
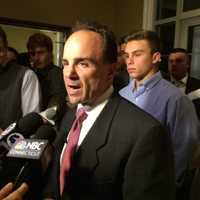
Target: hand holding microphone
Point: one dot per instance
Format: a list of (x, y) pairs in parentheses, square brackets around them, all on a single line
[(7, 194)]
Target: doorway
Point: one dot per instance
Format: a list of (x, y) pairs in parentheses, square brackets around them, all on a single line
[(18, 36)]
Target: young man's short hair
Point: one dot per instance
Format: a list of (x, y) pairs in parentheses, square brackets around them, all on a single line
[(150, 36)]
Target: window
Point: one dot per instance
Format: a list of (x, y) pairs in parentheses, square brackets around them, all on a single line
[(178, 24), (194, 49), (191, 5), (18, 33), (166, 8), (166, 33)]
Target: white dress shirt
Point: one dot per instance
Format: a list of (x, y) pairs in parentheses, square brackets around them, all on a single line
[(181, 84), (93, 113), (30, 93)]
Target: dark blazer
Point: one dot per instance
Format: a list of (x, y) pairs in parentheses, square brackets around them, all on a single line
[(192, 85), (126, 155)]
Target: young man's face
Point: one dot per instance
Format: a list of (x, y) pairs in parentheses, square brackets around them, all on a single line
[(3, 52), (178, 65), (139, 59), (86, 77), (40, 57)]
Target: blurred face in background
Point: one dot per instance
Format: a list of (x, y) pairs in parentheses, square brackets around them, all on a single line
[(40, 57), (121, 64), (178, 65), (3, 52)]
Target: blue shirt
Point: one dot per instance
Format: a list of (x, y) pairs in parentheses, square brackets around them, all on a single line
[(167, 104)]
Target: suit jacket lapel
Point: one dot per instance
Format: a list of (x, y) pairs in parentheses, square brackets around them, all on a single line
[(65, 128), (188, 85), (98, 134)]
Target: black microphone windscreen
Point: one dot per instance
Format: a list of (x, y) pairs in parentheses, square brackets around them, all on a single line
[(45, 132), (29, 124)]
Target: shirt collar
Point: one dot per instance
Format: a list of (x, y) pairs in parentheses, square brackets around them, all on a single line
[(148, 84), (101, 100), (183, 80)]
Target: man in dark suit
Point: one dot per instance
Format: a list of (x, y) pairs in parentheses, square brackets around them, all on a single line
[(178, 67), (122, 152)]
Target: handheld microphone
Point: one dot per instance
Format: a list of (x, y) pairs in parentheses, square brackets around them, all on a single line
[(37, 155), (49, 114), (25, 127)]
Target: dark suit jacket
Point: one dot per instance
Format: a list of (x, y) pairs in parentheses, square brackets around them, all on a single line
[(194, 84), (126, 155)]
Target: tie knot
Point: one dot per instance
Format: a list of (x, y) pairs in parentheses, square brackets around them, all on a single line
[(81, 114)]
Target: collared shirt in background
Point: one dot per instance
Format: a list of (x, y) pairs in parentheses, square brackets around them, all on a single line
[(181, 84)]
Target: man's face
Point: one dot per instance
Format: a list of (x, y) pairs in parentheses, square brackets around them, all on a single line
[(3, 52), (178, 65), (139, 59), (86, 77), (40, 57)]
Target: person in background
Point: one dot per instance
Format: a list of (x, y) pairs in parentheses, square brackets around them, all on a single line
[(40, 49), (19, 88), (121, 78), (160, 98), (121, 152), (179, 70), (12, 54), (121, 64), (19, 95)]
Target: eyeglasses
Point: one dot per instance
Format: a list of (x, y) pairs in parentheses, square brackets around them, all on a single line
[(40, 52)]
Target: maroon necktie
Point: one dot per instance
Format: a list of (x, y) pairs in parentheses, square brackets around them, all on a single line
[(71, 146)]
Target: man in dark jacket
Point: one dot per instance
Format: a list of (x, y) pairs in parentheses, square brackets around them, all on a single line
[(50, 76), (178, 67)]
